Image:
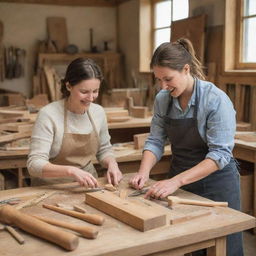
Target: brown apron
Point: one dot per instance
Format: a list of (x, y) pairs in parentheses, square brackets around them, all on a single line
[(76, 150)]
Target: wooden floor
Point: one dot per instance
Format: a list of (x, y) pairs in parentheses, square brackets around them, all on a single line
[(249, 244)]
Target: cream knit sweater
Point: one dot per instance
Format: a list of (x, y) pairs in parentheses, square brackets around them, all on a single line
[(48, 132)]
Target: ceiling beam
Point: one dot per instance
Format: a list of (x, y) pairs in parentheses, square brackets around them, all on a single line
[(106, 3)]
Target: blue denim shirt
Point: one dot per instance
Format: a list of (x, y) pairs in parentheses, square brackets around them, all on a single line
[(215, 117)]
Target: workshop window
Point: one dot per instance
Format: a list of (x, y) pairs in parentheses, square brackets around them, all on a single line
[(164, 12), (247, 29)]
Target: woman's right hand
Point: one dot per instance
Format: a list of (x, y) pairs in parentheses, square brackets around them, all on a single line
[(139, 180), (83, 178)]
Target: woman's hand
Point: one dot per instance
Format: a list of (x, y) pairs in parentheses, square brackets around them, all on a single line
[(83, 178), (163, 188), (114, 175), (139, 180)]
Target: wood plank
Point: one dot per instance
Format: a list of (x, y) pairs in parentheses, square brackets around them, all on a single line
[(190, 216), (192, 28), (14, 136), (57, 32), (17, 127), (107, 3), (137, 216)]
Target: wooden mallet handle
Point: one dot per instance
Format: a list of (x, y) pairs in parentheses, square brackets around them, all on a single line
[(91, 218), (15, 234), (87, 232), (10, 215), (172, 200)]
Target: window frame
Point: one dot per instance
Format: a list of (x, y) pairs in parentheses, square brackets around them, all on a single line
[(239, 64), (154, 29)]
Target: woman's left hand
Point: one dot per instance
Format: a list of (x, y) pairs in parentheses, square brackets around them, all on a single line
[(114, 175), (163, 188)]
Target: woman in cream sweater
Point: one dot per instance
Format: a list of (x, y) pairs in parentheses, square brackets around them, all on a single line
[(68, 134)]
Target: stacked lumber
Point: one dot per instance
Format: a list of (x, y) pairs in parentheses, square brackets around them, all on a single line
[(117, 114), (16, 125)]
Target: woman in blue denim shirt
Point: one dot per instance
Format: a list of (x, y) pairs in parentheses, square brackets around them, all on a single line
[(199, 121)]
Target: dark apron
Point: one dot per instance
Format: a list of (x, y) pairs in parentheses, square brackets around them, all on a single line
[(189, 149)]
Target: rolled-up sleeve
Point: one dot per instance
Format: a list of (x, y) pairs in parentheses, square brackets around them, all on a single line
[(41, 141), (157, 138), (220, 130)]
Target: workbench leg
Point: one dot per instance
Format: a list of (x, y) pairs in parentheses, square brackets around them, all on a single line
[(20, 177), (254, 194), (219, 249)]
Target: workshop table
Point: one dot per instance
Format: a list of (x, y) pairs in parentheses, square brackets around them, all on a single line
[(117, 238), (245, 149), (128, 160)]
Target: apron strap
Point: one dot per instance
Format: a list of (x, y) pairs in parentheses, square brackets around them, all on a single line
[(93, 126)]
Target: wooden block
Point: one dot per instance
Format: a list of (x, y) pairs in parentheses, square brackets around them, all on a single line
[(38, 101), (136, 111), (139, 217), (139, 112), (116, 112), (139, 140), (15, 99)]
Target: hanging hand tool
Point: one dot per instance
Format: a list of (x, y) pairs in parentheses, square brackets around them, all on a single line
[(172, 200), (85, 231), (9, 215), (91, 218)]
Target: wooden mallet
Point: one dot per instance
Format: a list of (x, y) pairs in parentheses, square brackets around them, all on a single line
[(10, 215), (172, 200)]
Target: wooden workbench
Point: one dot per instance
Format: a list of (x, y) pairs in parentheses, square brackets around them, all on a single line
[(128, 160), (117, 238), (124, 131), (245, 149)]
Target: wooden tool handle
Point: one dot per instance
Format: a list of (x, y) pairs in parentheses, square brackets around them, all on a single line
[(176, 200), (15, 234), (91, 218), (10, 215), (87, 232)]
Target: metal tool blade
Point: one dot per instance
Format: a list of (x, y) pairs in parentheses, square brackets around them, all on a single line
[(139, 192)]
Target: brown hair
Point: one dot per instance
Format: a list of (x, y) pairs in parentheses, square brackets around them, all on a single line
[(176, 55), (78, 70)]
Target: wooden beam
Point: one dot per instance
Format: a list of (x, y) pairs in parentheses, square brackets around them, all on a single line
[(137, 216), (96, 3)]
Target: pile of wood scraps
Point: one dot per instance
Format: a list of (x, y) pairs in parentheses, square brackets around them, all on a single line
[(117, 114), (15, 128)]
